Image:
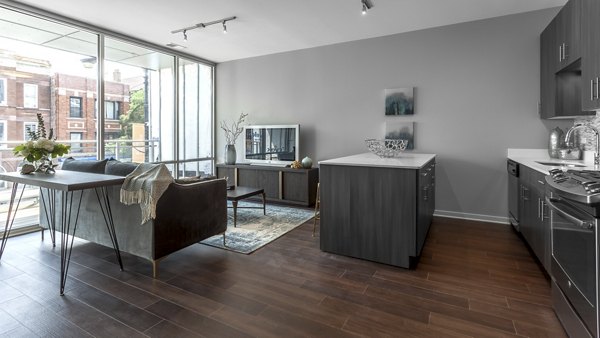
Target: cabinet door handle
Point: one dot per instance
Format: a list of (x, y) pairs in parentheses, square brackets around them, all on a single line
[(538, 205), (597, 85), (425, 193), (592, 98), (559, 53), (543, 213)]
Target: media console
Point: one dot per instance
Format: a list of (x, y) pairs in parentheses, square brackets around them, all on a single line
[(281, 184)]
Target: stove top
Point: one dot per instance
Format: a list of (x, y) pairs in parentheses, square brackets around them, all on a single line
[(578, 185)]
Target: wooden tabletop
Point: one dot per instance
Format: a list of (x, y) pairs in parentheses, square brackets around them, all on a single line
[(64, 180), (242, 192)]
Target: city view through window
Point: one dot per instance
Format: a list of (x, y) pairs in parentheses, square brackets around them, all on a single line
[(52, 69)]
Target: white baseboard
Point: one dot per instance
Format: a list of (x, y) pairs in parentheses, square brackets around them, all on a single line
[(471, 217)]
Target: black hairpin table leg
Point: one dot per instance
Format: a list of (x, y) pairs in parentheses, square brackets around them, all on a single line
[(68, 226), (10, 215), (104, 202)]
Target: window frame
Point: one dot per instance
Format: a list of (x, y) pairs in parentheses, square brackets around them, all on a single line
[(71, 106), (34, 101), (28, 123), (4, 92), (79, 147), (4, 136), (114, 104)]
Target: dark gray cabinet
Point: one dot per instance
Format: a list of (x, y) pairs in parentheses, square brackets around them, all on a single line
[(380, 214), (561, 64), (568, 33), (534, 223), (548, 65), (590, 59), (425, 202), (281, 184)]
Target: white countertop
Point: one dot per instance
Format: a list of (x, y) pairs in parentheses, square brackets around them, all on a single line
[(531, 157), (406, 160)]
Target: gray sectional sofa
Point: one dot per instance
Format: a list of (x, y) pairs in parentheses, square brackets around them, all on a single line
[(185, 214)]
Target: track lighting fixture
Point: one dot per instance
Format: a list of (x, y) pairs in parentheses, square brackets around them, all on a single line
[(204, 25), (366, 5)]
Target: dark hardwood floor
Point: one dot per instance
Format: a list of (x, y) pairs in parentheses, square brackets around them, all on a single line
[(474, 280)]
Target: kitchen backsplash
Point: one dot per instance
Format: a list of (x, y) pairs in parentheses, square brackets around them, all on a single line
[(587, 135)]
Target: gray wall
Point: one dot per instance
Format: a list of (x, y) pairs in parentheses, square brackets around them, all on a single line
[(477, 90)]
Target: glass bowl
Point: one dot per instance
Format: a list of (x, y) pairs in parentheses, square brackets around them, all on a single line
[(386, 147)]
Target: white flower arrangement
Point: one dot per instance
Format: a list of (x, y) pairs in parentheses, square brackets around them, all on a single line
[(40, 148)]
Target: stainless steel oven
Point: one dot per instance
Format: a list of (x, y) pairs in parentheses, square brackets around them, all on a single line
[(574, 265)]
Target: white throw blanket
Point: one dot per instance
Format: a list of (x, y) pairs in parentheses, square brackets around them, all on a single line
[(144, 186)]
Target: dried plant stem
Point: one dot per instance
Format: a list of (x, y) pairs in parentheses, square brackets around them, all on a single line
[(233, 131)]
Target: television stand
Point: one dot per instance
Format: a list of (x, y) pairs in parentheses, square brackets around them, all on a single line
[(281, 165), (281, 184)]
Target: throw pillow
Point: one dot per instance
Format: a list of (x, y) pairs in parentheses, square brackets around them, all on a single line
[(194, 179), (114, 167), (88, 166)]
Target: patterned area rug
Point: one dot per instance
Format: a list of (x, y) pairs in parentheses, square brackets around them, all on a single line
[(255, 230)]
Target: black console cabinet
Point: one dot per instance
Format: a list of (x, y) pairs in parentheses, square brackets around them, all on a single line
[(281, 184)]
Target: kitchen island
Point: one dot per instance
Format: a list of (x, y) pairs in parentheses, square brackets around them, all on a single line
[(378, 209)]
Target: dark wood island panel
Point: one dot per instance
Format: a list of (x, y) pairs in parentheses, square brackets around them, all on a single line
[(380, 214)]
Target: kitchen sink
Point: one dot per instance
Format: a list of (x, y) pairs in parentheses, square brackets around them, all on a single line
[(561, 164)]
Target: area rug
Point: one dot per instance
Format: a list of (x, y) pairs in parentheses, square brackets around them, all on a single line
[(255, 230)]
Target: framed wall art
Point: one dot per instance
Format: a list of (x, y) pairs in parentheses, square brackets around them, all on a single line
[(401, 130), (399, 101)]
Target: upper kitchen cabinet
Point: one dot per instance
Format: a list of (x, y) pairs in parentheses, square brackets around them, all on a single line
[(560, 64), (568, 33), (548, 65), (590, 59)]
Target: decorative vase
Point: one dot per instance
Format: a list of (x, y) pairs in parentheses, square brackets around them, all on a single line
[(44, 165), (307, 163), (555, 142), (230, 154)]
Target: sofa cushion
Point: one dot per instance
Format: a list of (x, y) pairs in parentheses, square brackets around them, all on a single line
[(96, 167), (194, 179), (114, 167)]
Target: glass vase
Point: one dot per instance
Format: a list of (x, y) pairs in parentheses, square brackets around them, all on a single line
[(44, 165), (230, 154)]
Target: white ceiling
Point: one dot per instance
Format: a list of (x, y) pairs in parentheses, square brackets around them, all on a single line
[(273, 26)]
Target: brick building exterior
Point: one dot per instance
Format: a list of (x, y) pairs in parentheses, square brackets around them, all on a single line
[(76, 118), (67, 102), (25, 90)]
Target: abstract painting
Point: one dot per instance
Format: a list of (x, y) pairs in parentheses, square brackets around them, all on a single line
[(401, 130), (399, 101)]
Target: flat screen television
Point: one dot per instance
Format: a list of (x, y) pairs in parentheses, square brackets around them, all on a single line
[(272, 144)]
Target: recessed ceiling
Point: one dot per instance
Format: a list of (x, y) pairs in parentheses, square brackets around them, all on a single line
[(272, 26)]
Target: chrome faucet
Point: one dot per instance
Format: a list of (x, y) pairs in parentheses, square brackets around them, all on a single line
[(596, 132)]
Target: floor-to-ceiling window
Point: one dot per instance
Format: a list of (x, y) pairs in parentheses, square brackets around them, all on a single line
[(70, 73), (195, 118)]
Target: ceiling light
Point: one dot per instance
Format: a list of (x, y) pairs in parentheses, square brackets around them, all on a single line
[(174, 45), (205, 24), (366, 5), (88, 62)]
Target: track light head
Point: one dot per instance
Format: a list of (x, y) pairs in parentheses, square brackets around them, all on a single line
[(366, 5), (185, 35), (224, 27)]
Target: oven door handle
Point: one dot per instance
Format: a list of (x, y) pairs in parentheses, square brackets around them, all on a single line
[(580, 223)]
